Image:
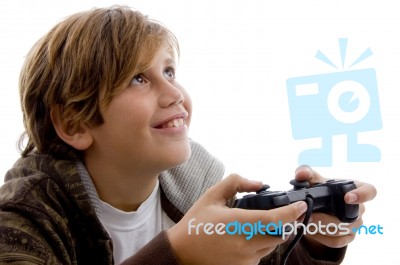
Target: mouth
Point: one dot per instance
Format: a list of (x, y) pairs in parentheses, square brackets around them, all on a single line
[(175, 121)]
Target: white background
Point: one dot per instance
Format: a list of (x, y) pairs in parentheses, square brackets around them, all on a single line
[(235, 59)]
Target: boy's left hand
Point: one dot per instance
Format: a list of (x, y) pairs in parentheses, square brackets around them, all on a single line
[(363, 193)]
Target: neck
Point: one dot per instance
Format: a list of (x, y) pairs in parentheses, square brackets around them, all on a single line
[(123, 191)]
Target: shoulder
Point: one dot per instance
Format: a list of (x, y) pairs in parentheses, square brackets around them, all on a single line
[(44, 209), (33, 191), (20, 235), (35, 178), (24, 212)]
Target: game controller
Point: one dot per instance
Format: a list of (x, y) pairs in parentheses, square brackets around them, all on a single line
[(327, 198)]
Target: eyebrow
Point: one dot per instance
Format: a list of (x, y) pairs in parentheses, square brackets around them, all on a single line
[(170, 61)]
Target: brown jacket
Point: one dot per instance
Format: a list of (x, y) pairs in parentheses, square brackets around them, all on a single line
[(49, 214)]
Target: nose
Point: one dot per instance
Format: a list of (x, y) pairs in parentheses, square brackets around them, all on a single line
[(170, 95)]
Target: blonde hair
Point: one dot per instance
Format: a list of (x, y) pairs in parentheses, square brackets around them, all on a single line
[(81, 64)]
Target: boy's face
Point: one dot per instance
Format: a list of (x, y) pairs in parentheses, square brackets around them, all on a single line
[(145, 127)]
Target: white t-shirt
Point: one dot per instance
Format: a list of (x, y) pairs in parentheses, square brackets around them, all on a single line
[(130, 231)]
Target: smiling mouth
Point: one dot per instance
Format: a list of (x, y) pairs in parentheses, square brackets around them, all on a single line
[(177, 122)]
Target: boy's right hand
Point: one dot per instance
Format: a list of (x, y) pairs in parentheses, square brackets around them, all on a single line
[(228, 249)]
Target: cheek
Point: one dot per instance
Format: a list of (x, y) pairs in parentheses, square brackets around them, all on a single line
[(188, 105), (127, 115)]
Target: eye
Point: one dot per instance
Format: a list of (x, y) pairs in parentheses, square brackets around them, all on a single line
[(169, 73), (138, 80)]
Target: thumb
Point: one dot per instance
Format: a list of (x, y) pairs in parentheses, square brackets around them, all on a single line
[(306, 173), (228, 187)]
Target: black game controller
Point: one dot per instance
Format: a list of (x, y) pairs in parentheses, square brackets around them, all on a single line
[(327, 198)]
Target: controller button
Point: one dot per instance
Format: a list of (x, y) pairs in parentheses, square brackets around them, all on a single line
[(297, 185), (264, 188)]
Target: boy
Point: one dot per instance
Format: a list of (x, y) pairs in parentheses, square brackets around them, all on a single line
[(109, 174)]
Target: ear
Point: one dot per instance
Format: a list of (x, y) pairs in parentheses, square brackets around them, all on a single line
[(74, 133)]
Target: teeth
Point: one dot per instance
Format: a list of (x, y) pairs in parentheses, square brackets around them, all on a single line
[(175, 123)]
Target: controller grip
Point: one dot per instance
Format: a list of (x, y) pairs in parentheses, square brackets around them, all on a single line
[(349, 212)]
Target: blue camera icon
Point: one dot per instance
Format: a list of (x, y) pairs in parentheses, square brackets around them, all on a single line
[(330, 104)]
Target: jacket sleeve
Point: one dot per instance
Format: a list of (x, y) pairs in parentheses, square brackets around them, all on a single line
[(157, 251)]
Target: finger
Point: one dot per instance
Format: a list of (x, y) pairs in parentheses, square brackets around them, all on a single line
[(285, 214), (327, 219), (289, 213), (361, 210), (324, 219), (254, 239), (264, 228), (336, 235), (330, 225), (363, 193), (355, 226), (306, 173), (230, 186)]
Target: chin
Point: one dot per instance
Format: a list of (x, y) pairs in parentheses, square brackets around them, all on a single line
[(179, 155)]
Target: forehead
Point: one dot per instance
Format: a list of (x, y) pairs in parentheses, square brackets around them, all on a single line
[(164, 55), (161, 58)]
